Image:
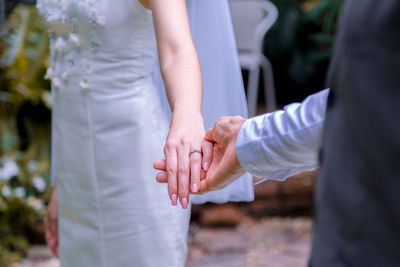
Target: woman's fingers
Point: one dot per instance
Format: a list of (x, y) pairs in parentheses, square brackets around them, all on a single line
[(171, 164), (183, 174), (188, 171), (195, 171), (206, 159)]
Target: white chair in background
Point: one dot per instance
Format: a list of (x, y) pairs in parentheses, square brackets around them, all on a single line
[(251, 20)]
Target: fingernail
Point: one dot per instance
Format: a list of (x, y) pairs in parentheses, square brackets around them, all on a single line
[(184, 202), (195, 187), (206, 166), (174, 199)]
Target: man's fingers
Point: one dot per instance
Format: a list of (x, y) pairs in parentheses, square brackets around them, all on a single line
[(210, 135), (207, 148), (204, 188), (215, 134), (162, 177), (203, 174), (160, 165)]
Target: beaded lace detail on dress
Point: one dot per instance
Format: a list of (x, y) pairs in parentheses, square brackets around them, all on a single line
[(65, 35)]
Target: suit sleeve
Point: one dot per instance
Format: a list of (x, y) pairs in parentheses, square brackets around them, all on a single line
[(282, 143)]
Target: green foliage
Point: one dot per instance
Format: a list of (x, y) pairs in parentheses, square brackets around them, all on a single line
[(25, 58), (14, 218), (300, 45), (7, 257), (25, 104), (25, 100)]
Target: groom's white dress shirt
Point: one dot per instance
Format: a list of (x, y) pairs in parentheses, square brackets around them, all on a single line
[(282, 143)]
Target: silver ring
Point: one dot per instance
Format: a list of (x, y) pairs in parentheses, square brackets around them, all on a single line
[(194, 150)]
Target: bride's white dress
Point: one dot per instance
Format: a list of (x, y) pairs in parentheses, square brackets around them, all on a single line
[(108, 128)]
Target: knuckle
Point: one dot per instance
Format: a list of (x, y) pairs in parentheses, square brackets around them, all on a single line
[(183, 186), (170, 170), (172, 188), (170, 144), (184, 140), (183, 192), (221, 120), (183, 169)]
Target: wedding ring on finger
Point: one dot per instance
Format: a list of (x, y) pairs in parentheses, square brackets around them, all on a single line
[(194, 150)]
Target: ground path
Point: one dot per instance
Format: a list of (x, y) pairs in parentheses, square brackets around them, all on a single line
[(268, 242)]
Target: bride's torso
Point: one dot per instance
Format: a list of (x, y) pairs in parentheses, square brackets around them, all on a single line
[(98, 43)]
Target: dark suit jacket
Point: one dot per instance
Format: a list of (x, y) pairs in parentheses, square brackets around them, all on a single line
[(358, 189)]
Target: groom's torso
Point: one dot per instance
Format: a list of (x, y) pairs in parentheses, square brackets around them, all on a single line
[(358, 200)]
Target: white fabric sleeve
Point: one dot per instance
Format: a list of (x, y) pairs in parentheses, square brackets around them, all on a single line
[(282, 143)]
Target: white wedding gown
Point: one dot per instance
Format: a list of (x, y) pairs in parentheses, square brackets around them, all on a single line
[(108, 128)]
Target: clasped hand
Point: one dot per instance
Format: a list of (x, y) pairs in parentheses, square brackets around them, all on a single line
[(212, 169)]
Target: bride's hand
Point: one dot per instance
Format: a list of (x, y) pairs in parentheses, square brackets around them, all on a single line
[(51, 223), (207, 155), (183, 168), (181, 73)]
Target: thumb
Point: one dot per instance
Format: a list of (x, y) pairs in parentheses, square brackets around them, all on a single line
[(210, 135)]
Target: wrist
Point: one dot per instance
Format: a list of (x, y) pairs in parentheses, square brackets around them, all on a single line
[(187, 109), (183, 115)]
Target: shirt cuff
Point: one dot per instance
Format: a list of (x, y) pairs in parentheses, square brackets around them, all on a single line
[(249, 154)]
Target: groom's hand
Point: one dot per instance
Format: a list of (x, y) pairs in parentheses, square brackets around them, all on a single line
[(225, 166)]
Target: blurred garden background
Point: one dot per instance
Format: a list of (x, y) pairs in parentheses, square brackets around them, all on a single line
[(299, 46)]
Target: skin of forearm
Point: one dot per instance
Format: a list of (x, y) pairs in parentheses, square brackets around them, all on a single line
[(182, 77)]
